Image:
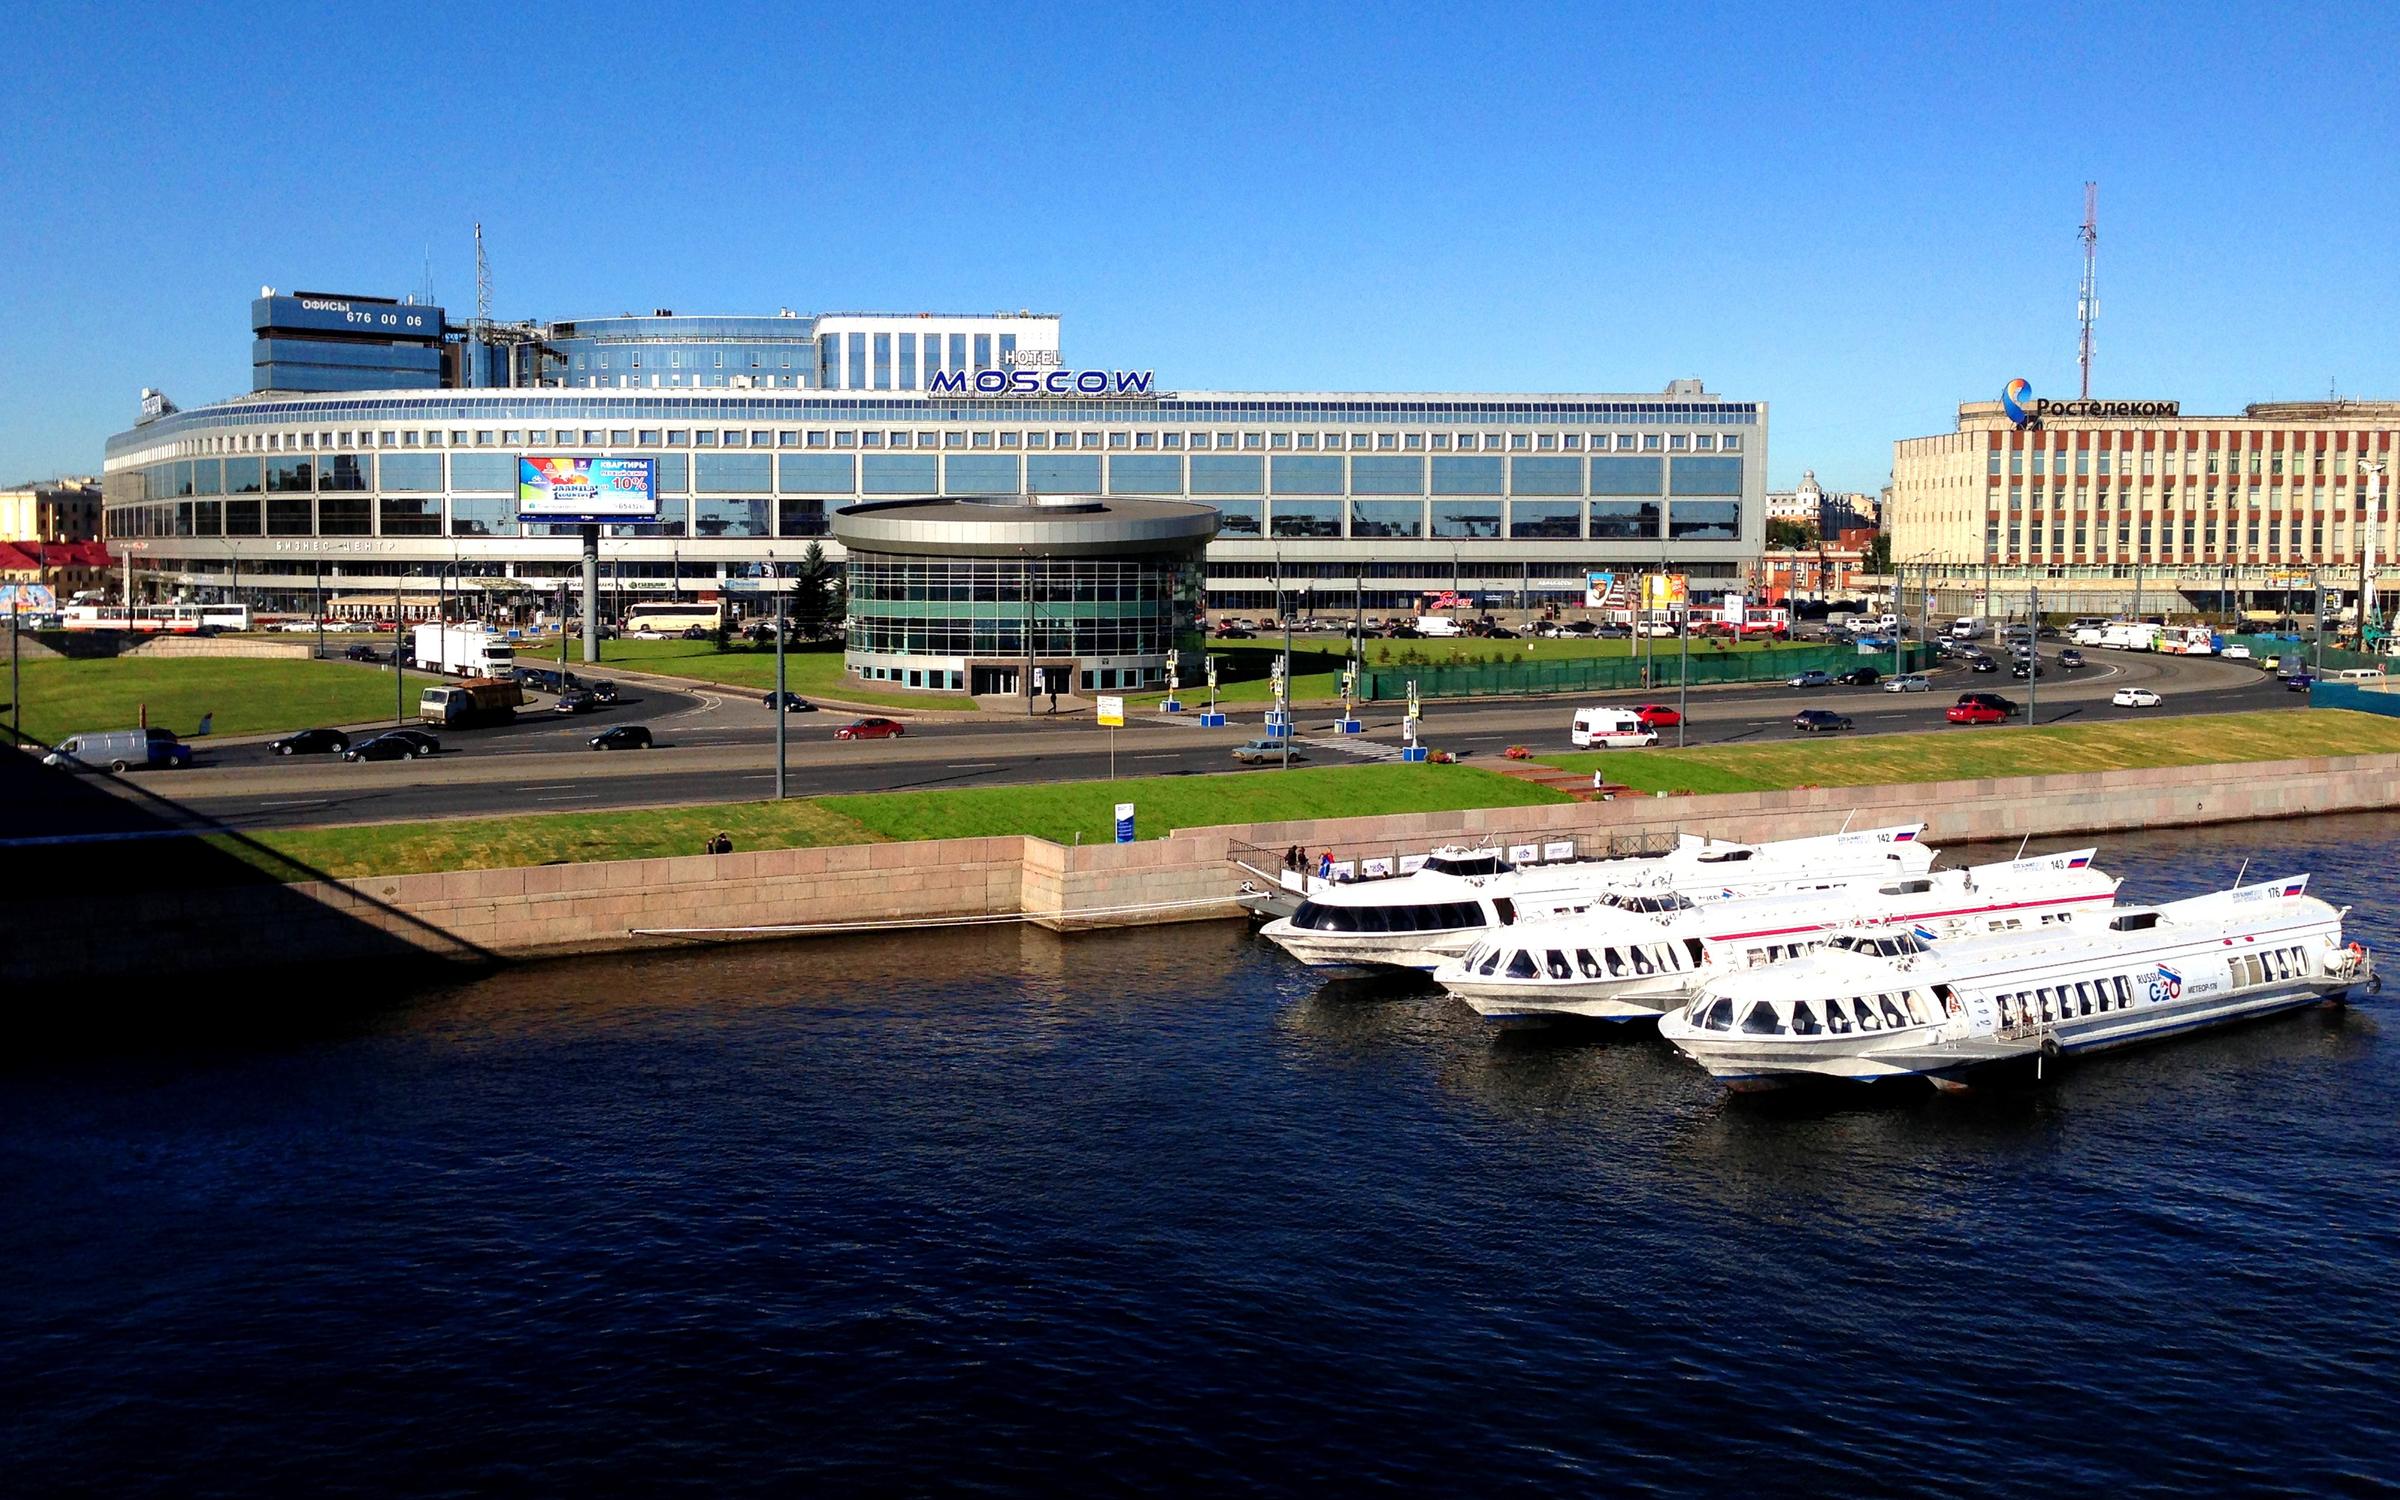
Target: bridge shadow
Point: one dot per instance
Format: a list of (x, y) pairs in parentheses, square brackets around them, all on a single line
[(136, 921)]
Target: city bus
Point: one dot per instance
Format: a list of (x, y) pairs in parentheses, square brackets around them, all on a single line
[(671, 618)]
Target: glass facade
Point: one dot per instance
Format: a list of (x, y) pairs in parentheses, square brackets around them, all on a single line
[(961, 609)]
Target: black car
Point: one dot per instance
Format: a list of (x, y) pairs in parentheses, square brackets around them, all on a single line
[(2070, 659), (1818, 720), (1858, 677), (575, 700), (423, 739), (2008, 706), (606, 692), (393, 746), (622, 737), (1499, 633), (1235, 633), (361, 653), (2027, 669), (311, 742), (793, 703), (2299, 682), (1984, 664), (547, 679)]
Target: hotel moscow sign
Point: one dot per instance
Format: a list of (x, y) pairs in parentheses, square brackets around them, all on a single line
[(2016, 399)]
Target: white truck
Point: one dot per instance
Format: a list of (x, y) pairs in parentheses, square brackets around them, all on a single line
[(464, 651), (1437, 625)]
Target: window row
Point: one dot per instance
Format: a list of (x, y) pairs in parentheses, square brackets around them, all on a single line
[(1470, 520)]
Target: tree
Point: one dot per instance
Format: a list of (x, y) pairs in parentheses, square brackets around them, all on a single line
[(1879, 553), (1790, 534), (812, 594)]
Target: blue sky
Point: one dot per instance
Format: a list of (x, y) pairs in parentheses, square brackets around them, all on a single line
[(1861, 216)]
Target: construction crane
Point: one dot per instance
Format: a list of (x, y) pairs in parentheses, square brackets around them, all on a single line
[(2087, 298)]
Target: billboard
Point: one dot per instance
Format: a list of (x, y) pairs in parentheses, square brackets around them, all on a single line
[(586, 489), (1602, 591), (1664, 591), (1735, 609)]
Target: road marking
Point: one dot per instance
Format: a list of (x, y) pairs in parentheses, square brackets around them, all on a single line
[(548, 786), (303, 802), (570, 797), (975, 765)]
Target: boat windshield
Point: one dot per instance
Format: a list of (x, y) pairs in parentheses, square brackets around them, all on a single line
[(1879, 945), (1650, 904), (1459, 864)]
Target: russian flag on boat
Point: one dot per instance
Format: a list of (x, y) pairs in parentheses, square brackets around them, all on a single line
[(1905, 835), (1927, 933), (2294, 888), (2079, 862)]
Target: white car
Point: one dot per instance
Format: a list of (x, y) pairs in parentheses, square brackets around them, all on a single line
[(2235, 653), (2135, 698)]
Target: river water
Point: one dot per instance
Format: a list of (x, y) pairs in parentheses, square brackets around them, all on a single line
[(999, 1211)]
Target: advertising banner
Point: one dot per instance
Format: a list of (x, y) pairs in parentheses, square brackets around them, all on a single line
[(1124, 822), (1734, 609), (586, 489), (1111, 711), (1664, 591), (1600, 590)]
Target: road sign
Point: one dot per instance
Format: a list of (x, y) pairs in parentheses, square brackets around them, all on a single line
[(1112, 712), (1124, 822)]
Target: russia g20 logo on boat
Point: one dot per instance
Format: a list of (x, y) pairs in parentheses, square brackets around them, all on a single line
[(2016, 398), (2169, 985)]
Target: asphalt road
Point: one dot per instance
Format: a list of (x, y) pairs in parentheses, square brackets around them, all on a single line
[(716, 746)]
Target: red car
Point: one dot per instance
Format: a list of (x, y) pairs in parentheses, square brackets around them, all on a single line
[(1657, 716), (1976, 713), (870, 729)]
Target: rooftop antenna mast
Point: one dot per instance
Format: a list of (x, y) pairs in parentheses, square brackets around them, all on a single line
[(481, 330), (2087, 298)]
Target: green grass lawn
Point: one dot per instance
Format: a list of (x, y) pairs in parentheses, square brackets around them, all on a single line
[(538, 839), (1060, 812), (814, 671), (247, 697), (1962, 753), (1067, 810), (1317, 663)]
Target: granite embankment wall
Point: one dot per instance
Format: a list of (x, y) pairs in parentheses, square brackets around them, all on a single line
[(518, 913)]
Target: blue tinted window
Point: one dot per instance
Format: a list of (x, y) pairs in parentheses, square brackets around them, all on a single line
[(412, 471), (883, 361), (1625, 520), (980, 474), (733, 474), (983, 351), (483, 517), (1546, 518), (1228, 474), (208, 477), (829, 375), (819, 473), (671, 478), (287, 474), (730, 517), (1466, 518), (1318, 518), (1241, 517), (958, 351), (854, 376), (1545, 476), (1707, 476), (241, 476), (1061, 474), (800, 518), (899, 474), (1308, 476), (1466, 476), (345, 471), (1387, 518), (1145, 474), (1008, 346), (1387, 476), (182, 485), (484, 472), (671, 516), (908, 361), (1705, 520), (1626, 476)]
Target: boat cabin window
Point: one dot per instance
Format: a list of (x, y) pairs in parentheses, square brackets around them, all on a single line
[(1380, 919), (1804, 1019), (1491, 961), (1760, 1020), (2133, 921), (1504, 909), (1520, 965), (1464, 865), (1892, 1014), (1725, 856), (1691, 947), (1719, 1015), (1837, 1020), (1589, 966), (1907, 888), (1641, 961), (1559, 968), (2007, 1006), (1865, 1014)]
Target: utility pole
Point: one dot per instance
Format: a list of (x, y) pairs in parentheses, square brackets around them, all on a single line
[(2033, 664), (399, 678), (781, 710), (2373, 469), (1025, 569), (320, 606), (2087, 298)]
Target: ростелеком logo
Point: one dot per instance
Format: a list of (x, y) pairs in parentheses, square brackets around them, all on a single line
[(2016, 400)]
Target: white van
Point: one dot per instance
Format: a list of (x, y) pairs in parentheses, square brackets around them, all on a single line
[(1611, 729), (1432, 625), (2346, 674), (1965, 627)]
